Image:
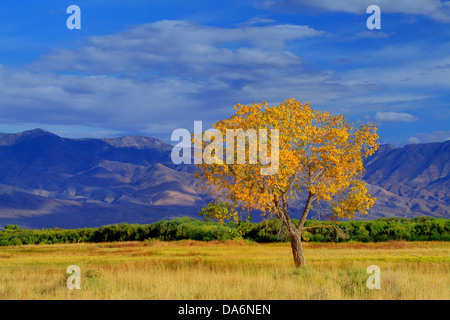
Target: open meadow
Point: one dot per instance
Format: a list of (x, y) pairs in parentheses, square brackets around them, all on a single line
[(225, 270)]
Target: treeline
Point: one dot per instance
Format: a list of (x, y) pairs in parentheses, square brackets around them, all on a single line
[(385, 229)]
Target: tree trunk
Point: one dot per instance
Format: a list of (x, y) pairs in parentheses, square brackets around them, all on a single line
[(295, 233), (297, 249)]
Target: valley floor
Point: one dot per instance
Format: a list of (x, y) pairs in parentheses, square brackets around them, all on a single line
[(225, 270)]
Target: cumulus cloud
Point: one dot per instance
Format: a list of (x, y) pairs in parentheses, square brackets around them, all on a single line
[(181, 48), (429, 75), (434, 9), (157, 77), (154, 78), (95, 101), (394, 117)]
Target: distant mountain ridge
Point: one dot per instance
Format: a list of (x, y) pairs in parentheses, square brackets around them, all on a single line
[(138, 142), (49, 181), (414, 179)]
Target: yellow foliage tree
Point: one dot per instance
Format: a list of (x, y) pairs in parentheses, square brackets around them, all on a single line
[(319, 154)]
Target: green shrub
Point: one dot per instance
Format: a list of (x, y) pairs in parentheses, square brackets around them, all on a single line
[(385, 229)]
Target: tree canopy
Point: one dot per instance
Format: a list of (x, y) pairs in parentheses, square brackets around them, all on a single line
[(319, 154)]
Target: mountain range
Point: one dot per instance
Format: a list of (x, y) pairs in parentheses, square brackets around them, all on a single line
[(48, 181)]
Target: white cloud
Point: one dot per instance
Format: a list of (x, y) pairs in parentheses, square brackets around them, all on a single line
[(157, 77), (410, 68), (369, 34), (258, 21), (434, 9), (436, 136), (394, 117), (179, 47)]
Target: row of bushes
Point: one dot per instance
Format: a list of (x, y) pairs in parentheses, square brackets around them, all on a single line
[(177, 229), (416, 229), (384, 229)]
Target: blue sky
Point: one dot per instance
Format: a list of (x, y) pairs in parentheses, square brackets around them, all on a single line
[(142, 67)]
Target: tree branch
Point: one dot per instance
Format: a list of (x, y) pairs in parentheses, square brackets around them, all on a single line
[(319, 226), (309, 202)]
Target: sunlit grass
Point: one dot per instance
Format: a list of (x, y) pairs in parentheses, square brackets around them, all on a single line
[(225, 270)]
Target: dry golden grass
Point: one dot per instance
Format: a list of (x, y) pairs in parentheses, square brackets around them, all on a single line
[(225, 270)]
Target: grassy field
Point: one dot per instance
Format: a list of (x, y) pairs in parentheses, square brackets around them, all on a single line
[(225, 270)]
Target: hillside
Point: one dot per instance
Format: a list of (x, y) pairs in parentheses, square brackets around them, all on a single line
[(48, 181), (410, 181)]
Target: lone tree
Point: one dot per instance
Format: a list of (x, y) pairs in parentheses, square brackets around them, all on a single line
[(319, 154)]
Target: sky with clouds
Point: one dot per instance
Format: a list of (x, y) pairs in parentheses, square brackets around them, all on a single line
[(141, 67)]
